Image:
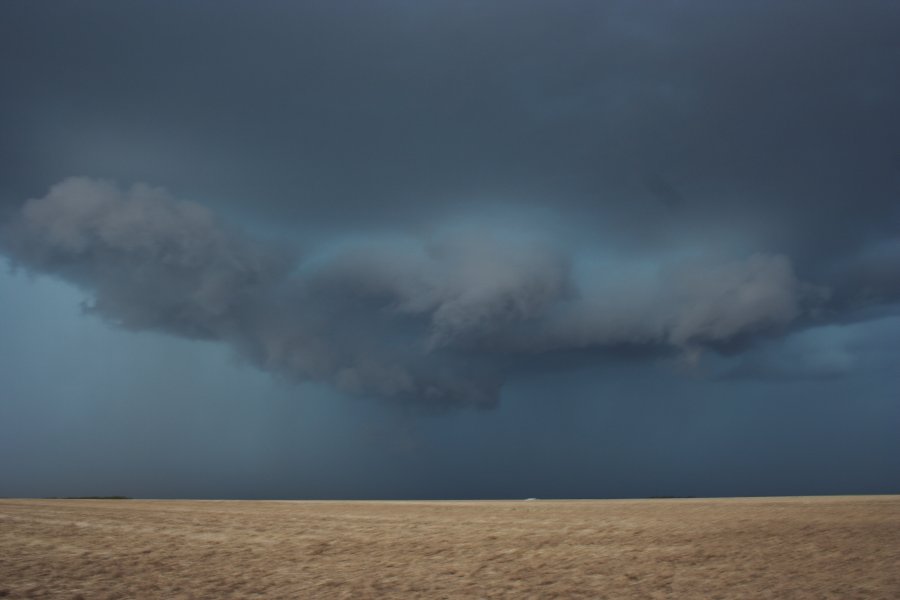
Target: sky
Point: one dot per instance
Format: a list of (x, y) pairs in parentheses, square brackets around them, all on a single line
[(397, 249)]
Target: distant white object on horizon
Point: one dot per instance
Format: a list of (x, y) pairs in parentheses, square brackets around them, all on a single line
[(530, 499)]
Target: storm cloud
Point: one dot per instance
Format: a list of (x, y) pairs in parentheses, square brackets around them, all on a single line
[(435, 198), (253, 246), (436, 321)]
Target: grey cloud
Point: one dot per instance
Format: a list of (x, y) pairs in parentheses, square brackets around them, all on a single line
[(764, 117), (794, 360), (149, 260), (595, 210), (722, 301), (687, 303), (866, 348), (470, 282), (761, 137), (435, 321)]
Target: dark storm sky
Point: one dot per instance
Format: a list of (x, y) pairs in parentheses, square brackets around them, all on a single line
[(449, 249)]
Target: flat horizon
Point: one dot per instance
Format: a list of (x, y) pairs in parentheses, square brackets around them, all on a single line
[(685, 548)]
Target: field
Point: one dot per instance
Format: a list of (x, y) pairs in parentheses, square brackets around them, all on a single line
[(832, 547)]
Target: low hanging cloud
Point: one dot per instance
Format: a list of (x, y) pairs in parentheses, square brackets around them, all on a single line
[(149, 261), (434, 321), (691, 303)]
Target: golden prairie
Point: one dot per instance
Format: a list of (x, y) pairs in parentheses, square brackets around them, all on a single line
[(822, 547)]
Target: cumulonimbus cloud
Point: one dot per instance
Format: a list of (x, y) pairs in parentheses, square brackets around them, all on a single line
[(436, 321)]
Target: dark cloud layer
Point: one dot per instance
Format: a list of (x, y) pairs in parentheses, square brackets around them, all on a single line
[(434, 322), (777, 116), (461, 191)]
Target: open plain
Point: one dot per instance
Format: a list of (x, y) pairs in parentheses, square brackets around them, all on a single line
[(828, 547)]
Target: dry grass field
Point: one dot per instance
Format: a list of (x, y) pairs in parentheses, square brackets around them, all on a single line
[(840, 547)]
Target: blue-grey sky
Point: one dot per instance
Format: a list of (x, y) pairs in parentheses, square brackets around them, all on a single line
[(449, 249)]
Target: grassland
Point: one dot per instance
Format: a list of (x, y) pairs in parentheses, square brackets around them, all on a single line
[(838, 547)]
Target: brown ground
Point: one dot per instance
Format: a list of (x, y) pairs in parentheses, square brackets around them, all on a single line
[(839, 547)]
